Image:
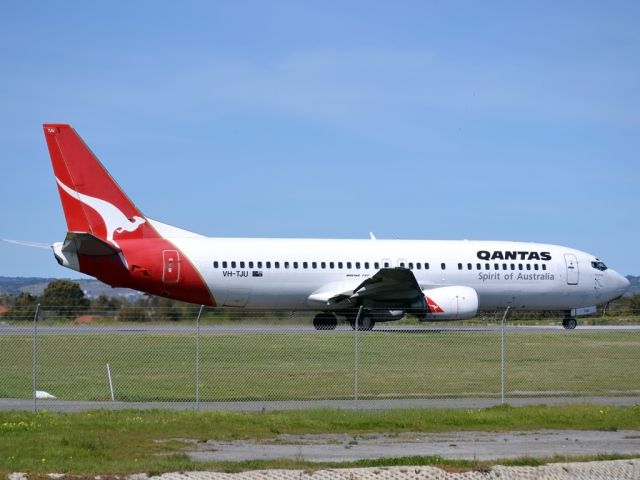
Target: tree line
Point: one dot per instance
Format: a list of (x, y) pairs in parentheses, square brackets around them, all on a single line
[(64, 299)]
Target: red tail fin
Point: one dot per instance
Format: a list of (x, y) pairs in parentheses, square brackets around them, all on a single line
[(92, 201)]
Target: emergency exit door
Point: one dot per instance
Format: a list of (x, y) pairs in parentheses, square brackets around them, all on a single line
[(573, 273), (170, 266)]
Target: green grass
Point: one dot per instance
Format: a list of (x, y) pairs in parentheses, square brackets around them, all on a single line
[(120, 442), (301, 366)]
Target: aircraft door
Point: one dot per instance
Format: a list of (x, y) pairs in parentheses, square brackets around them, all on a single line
[(170, 266), (573, 273)]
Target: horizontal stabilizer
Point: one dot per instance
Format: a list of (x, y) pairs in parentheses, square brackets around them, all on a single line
[(27, 243), (88, 244)]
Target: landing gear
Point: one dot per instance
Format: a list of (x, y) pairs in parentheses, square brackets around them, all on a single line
[(366, 323), (325, 321), (569, 323)]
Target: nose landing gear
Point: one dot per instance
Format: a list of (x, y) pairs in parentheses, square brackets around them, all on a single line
[(569, 323)]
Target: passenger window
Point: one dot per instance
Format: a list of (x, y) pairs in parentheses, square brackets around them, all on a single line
[(487, 266), (268, 264), (478, 266), (469, 266), (314, 265), (402, 264), (366, 265), (276, 264), (418, 265), (443, 266), (259, 264), (323, 265), (513, 267), (426, 266), (528, 266), (331, 265), (349, 265), (386, 264), (241, 264), (357, 265), (459, 266), (504, 266), (286, 264), (215, 264), (295, 264), (544, 266), (305, 265), (519, 266), (233, 264), (376, 265), (250, 264), (496, 266), (535, 266)]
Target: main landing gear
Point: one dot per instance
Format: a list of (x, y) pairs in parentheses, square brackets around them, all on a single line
[(366, 323), (569, 323), (325, 321)]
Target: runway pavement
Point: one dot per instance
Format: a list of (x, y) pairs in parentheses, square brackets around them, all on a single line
[(8, 404), (182, 329)]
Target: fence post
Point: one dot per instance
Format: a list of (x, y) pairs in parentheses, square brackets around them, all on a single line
[(357, 359), (198, 358), (504, 319), (34, 359), (113, 398)]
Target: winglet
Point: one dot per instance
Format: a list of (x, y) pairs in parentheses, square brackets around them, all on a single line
[(373, 237)]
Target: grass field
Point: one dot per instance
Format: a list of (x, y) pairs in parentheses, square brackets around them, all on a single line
[(126, 441), (306, 366)]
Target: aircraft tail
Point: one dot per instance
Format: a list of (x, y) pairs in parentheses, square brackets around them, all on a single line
[(92, 200)]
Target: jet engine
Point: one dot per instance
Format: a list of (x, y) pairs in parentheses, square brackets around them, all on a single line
[(450, 303)]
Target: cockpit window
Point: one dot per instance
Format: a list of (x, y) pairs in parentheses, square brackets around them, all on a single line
[(599, 266)]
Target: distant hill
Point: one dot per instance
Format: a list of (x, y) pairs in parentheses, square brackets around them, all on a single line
[(36, 285), (635, 285)]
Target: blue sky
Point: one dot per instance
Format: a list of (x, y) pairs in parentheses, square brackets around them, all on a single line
[(448, 120)]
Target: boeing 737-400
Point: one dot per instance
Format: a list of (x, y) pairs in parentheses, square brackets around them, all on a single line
[(110, 239)]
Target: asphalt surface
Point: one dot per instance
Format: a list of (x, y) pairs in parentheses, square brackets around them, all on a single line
[(8, 404), (137, 329), (452, 445)]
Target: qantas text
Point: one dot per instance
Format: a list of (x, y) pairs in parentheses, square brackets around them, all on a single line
[(513, 255)]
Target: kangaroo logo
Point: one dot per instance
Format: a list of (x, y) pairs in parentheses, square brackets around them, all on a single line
[(433, 307), (114, 220)]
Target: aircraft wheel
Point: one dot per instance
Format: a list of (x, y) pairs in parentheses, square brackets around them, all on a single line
[(569, 323), (325, 321), (367, 323)]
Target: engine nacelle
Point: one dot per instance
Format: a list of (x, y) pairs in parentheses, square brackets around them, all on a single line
[(451, 303)]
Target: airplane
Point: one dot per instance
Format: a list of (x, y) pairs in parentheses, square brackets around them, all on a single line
[(364, 281)]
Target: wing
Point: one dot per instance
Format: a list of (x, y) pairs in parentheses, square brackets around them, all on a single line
[(388, 285)]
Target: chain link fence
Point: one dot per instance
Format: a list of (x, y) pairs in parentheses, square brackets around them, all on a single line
[(235, 358)]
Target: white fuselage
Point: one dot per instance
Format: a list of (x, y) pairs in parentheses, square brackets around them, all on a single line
[(267, 272)]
